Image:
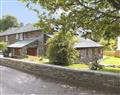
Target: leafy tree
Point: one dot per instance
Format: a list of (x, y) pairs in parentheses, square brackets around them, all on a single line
[(7, 22), (60, 49), (100, 16)]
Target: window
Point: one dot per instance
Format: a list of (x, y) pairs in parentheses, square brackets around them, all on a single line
[(6, 38), (21, 36), (17, 36)]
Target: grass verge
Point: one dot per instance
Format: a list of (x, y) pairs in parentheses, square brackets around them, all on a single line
[(111, 60)]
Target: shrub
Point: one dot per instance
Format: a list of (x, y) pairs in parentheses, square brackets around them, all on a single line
[(61, 50), (3, 45), (6, 53), (94, 65)]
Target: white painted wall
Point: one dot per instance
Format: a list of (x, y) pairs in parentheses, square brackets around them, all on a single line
[(118, 43)]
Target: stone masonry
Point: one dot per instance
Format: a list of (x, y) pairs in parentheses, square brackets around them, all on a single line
[(96, 79)]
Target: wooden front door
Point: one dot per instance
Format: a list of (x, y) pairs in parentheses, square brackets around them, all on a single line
[(32, 51), (16, 51)]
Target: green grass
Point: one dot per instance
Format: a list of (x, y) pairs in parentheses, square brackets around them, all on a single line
[(111, 69), (37, 60), (79, 66), (86, 67), (111, 60)]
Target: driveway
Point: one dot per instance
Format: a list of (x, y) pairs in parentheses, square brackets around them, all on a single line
[(14, 82)]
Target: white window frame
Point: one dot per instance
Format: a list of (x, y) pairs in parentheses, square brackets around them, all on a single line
[(6, 38), (17, 36), (21, 36)]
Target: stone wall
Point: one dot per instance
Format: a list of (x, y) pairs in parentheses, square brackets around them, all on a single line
[(88, 55), (92, 79), (12, 39), (2, 39)]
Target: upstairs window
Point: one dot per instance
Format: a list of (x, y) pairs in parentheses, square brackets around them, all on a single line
[(17, 36), (21, 36), (6, 38)]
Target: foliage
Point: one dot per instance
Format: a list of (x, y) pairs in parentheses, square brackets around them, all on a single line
[(95, 65), (109, 45), (3, 45), (61, 50), (100, 16), (6, 53), (7, 22)]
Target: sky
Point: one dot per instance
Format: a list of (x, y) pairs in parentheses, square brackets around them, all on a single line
[(18, 9)]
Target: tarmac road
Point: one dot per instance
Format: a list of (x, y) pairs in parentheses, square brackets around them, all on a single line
[(14, 82)]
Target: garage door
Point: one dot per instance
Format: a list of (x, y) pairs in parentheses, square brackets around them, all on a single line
[(32, 51)]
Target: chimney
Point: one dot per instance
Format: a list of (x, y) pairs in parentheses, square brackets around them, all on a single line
[(118, 44)]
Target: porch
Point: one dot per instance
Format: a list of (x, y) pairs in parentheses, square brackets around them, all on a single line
[(23, 48)]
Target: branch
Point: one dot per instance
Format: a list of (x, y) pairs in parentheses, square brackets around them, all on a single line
[(90, 8)]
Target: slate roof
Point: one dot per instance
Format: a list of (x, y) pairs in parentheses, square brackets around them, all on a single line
[(26, 28), (22, 43), (83, 43), (86, 43)]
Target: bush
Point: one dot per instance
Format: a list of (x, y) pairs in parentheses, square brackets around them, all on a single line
[(94, 65), (60, 49), (6, 53), (3, 45)]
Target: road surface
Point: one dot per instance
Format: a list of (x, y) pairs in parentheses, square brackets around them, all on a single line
[(14, 82)]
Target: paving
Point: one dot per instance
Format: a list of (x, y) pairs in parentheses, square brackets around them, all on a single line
[(14, 82)]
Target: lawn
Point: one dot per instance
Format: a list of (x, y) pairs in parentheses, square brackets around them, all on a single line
[(111, 69), (110, 60), (37, 60), (78, 66)]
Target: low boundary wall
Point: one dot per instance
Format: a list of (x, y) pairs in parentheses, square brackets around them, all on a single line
[(96, 79)]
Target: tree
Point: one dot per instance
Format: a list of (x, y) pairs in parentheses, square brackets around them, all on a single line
[(60, 49), (7, 22), (99, 16)]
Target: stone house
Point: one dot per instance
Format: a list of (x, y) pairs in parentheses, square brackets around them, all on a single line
[(30, 40), (89, 50), (25, 40)]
